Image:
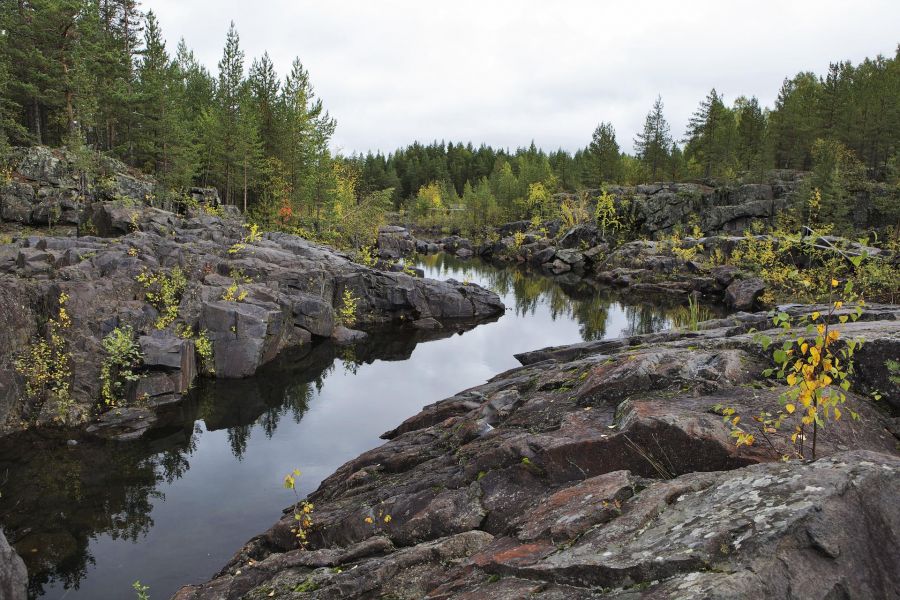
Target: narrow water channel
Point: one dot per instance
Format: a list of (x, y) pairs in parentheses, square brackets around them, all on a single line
[(90, 518)]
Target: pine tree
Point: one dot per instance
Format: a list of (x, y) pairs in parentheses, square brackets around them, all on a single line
[(710, 136), (308, 130), (795, 123), (604, 157), (228, 152), (653, 143), (751, 150), (264, 88)]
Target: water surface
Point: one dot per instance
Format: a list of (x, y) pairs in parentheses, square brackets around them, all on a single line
[(91, 517)]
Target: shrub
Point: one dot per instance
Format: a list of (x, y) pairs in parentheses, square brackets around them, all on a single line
[(46, 364), (817, 371), (346, 312), (164, 292), (122, 356)]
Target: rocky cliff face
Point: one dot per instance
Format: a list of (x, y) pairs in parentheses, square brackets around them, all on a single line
[(602, 470), (658, 208), (254, 296)]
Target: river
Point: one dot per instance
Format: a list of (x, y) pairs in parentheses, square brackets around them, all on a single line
[(91, 517)]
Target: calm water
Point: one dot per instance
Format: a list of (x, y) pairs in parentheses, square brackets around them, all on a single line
[(91, 518)]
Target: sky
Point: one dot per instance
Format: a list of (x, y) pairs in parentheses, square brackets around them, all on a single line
[(509, 72)]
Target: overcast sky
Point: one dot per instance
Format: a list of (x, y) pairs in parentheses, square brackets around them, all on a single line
[(509, 72)]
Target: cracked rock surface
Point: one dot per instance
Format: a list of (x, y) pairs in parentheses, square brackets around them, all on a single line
[(602, 470)]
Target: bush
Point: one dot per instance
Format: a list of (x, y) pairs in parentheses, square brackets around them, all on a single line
[(164, 292), (122, 356), (46, 364)]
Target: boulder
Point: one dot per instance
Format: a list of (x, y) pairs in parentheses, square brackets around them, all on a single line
[(742, 294), (580, 237)]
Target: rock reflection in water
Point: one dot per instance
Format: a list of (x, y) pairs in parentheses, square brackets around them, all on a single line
[(91, 517)]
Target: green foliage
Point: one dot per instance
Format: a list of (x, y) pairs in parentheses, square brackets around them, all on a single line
[(164, 292), (142, 591), (798, 268), (711, 134), (122, 355), (46, 364), (605, 213), (575, 211), (346, 313), (691, 316), (836, 176), (204, 348), (654, 143), (816, 369)]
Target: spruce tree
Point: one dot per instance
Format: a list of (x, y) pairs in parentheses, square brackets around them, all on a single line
[(604, 157), (653, 143)]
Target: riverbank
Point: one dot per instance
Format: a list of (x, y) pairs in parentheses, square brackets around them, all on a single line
[(191, 296), (605, 469)]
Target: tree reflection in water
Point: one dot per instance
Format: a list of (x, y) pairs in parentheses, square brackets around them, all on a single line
[(58, 495)]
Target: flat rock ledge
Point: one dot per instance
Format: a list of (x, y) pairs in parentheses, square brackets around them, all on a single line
[(254, 296), (601, 470)]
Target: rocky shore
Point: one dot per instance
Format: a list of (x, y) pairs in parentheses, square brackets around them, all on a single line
[(662, 250), (285, 292), (603, 469)]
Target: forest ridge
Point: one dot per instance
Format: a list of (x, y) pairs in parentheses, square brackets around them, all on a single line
[(97, 76)]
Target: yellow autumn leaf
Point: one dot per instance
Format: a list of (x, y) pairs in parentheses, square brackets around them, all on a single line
[(735, 420), (792, 379), (838, 304), (834, 283), (790, 408), (815, 316), (837, 413)]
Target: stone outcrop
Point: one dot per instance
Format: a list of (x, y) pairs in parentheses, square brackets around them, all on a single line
[(45, 187), (13, 576), (253, 296), (602, 469)]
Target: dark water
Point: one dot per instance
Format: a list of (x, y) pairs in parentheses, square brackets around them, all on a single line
[(91, 518)]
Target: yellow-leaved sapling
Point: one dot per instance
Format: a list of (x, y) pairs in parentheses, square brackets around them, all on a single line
[(816, 367), (302, 509)]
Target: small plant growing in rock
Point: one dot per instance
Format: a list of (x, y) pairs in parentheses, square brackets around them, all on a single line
[(122, 357), (253, 235), (366, 256), (164, 292), (202, 345), (518, 239), (204, 348), (605, 213), (302, 509), (234, 293), (346, 312), (817, 370), (378, 520), (45, 365)]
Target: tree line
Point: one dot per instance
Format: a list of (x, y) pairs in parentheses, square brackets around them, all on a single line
[(97, 74)]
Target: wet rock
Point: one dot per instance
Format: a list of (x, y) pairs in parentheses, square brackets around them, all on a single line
[(604, 466), (343, 336), (743, 294), (13, 576)]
